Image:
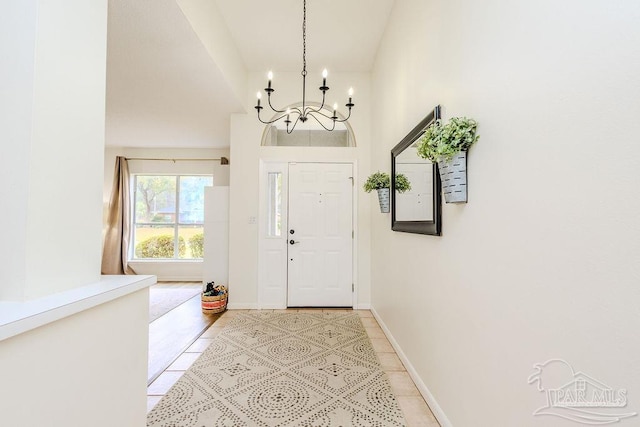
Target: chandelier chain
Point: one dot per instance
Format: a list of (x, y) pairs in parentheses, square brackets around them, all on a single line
[(304, 38)]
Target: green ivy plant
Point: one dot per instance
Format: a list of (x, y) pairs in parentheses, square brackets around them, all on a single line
[(380, 180), (402, 183), (441, 142)]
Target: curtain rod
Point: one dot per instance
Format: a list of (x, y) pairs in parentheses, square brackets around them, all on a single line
[(223, 160)]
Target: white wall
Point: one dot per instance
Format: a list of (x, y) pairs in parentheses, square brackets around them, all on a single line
[(17, 42), (181, 270), (208, 23), (215, 265), (543, 262), (246, 152), (75, 371), (88, 369), (55, 142)]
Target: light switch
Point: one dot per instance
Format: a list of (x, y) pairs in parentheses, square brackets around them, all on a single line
[(252, 220)]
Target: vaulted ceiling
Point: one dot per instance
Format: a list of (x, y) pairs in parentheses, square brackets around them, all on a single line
[(166, 89), (342, 35)]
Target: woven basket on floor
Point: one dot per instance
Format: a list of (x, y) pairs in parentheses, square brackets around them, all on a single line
[(212, 305)]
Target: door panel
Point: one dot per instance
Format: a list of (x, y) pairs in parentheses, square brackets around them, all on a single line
[(273, 276), (320, 213)]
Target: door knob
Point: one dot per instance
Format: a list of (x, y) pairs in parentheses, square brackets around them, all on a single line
[(292, 242), (291, 231)]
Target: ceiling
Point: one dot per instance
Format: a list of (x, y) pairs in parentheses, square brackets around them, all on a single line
[(342, 35), (165, 90)]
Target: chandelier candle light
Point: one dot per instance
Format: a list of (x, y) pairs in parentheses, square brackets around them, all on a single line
[(303, 112)]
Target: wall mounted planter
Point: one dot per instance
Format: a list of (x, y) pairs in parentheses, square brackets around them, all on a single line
[(383, 198), (440, 142), (453, 174)]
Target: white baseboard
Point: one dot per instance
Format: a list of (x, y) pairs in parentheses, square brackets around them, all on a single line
[(422, 387), (242, 306), (271, 307), (253, 306)]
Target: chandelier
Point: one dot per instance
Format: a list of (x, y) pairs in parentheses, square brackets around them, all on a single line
[(303, 112)]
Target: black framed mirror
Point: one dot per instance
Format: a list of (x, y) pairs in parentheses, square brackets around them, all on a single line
[(418, 210)]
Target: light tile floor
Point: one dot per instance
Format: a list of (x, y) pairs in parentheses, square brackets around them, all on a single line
[(415, 410)]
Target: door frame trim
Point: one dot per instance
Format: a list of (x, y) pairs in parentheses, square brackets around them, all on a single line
[(268, 300)]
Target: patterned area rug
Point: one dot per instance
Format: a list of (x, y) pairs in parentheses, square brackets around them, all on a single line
[(283, 369)]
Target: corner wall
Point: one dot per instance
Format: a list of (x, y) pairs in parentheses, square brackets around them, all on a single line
[(55, 54), (543, 262), (89, 368)]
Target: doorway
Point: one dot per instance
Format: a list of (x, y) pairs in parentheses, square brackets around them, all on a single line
[(320, 229), (306, 255)]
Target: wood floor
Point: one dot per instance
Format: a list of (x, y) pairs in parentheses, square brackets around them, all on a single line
[(171, 334), (178, 285)]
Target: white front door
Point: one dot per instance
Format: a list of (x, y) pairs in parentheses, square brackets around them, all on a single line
[(320, 235)]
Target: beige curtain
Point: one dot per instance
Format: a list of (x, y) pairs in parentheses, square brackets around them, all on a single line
[(116, 240)]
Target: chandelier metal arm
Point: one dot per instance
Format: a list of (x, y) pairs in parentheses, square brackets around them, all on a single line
[(333, 118), (322, 124), (283, 114), (314, 112), (271, 106), (268, 122), (345, 119), (289, 131), (309, 108)]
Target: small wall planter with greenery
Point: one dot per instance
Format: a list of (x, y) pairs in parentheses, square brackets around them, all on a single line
[(381, 182), (447, 145)]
